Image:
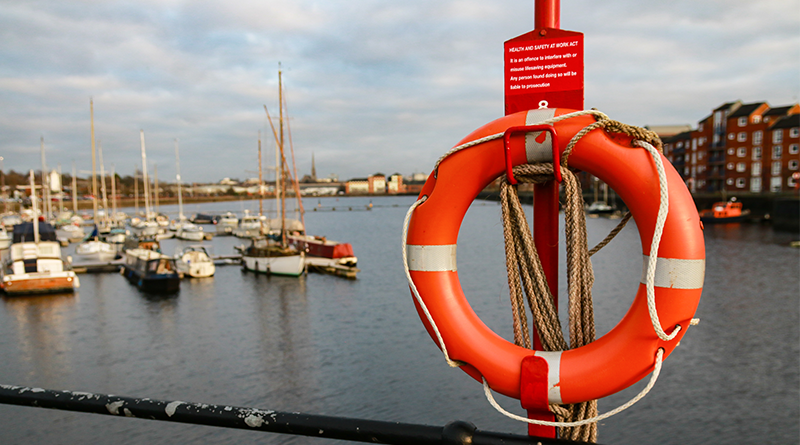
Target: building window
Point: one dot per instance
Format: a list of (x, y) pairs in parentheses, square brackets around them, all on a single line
[(756, 153), (755, 185), (776, 168), (775, 184), (700, 127), (793, 164), (731, 136), (776, 151), (742, 121), (742, 136), (793, 149), (794, 132), (777, 136), (731, 152), (791, 182), (741, 152), (729, 181), (740, 167), (731, 166), (755, 169), (756, 119), (740, 183), (757, 136)]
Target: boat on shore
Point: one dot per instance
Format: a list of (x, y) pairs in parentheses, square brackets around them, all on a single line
[(151, 271), (724, 212)]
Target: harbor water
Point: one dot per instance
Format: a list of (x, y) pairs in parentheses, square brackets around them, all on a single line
[(356, 348)]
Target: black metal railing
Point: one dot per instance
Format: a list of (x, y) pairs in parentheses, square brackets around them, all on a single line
[(356, 430)]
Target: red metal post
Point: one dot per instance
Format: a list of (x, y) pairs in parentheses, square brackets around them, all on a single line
[(547, 14)]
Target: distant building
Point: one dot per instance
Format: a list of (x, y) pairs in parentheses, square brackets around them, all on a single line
[(377, 184), (357, 186), (740, 148), (395, 184)]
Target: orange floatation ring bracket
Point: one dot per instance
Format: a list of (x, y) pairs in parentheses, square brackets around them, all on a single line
[(625, 354)]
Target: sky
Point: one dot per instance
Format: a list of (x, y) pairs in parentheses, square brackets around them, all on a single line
[(370, 85)]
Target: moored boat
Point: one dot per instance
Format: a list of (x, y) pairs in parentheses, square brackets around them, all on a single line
[(5, 238), (227, 223), (266, 256), (151, 271), (194, 261), (321, 247), (724, 212), (35, 265)]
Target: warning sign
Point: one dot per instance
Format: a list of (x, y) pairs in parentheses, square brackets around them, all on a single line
[(544, 67)]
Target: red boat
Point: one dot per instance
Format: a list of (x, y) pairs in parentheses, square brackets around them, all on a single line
[(319, 246), (724, 212)]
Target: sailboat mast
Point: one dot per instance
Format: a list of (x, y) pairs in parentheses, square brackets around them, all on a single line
[(74, 190), (103, 184), (94, 167), (45, 177), (282, 161), (136, 190), (144, 179), (260, 180), (155, 187), (35, 209), (60, 190), (114, 193), (178, 178)]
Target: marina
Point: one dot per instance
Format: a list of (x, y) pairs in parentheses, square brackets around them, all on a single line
[(355, 348)]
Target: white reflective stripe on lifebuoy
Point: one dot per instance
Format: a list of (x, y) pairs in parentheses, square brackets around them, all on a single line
[(535, 151), (553, 374), (675, 273), (438, 258)]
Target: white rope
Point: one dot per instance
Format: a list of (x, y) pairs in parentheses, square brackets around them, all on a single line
[(640, 396), (663, 211), (452, 363)]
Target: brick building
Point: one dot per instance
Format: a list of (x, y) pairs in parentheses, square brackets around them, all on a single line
[(739, 148)]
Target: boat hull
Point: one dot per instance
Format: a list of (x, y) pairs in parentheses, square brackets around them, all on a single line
[(158, 284), (31, 284), (293, 265)]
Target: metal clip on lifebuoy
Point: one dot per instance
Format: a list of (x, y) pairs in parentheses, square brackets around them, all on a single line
[(527, 129)]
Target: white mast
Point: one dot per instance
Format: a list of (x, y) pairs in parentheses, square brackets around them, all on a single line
[(94, 168), (114, 192), (35, 210), (178, 178), (144, 178), (103, 184), (45, 183)]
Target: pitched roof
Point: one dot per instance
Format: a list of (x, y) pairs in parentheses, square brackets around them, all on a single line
[(746, 109), (790, 121), (778, 111)]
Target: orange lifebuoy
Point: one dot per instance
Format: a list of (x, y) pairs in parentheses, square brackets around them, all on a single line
[(625, 354)]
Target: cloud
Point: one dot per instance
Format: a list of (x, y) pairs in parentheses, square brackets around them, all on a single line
[(370, 85)]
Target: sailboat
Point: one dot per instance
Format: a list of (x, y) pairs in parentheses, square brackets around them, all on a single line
[(184, 229), (35, 265), (272, 254), (92, 248), (146, 228)]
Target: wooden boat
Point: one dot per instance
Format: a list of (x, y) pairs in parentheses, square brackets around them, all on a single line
[(35, 265), (266, 256), (151, 271), (195, 262), (724, 212)]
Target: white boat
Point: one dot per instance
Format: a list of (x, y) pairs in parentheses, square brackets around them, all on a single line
[(95, 250), (189, 231), (71, 232), (272, 254), (194, 261), (267, 257), (35, 265), (227, 223), (249, 227)]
